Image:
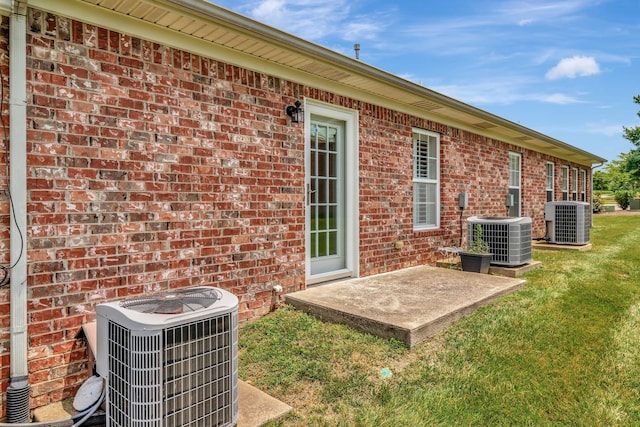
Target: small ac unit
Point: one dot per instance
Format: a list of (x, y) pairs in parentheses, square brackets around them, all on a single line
[(568, 222), (170, 359), (509, 238)]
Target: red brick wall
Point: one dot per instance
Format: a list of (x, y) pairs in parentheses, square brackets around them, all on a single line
[(152, 168)]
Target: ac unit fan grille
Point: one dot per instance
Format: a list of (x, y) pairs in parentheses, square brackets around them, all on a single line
[(509, 239), (504, 246), (178, 376), (177, 301), (571, 223)]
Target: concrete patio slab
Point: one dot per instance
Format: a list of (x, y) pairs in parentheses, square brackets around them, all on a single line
[(411, 305), (255, 408), (556, 247), (516, 271)]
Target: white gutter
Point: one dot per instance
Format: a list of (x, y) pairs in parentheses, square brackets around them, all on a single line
[(18, 392), (5, 7)]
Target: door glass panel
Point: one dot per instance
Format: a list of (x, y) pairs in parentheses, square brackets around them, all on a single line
[(326, 198), (332, 216), (333, 165), (314, 245), (333, 191), (333, 243), (323, 197)]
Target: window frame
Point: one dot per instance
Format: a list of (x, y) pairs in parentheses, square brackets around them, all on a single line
[(565, 182), (574, 184), (420, 181), (550, 180), (583, 187), (515, 189)]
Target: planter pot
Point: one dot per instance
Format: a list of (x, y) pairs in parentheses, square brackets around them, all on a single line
[(474, 262)]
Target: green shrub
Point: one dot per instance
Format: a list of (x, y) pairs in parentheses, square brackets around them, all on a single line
[(623, 198), (597, 202)]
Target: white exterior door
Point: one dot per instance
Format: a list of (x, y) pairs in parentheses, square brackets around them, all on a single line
[(331, 199)]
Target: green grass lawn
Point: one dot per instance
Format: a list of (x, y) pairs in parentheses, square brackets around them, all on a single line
[(564, 351)]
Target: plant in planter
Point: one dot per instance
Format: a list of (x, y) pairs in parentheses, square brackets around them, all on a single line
[(477, 257)]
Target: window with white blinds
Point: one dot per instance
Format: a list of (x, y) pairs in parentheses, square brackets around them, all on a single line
[(426, 179), (515, 185), (550, 181), (565, 182)]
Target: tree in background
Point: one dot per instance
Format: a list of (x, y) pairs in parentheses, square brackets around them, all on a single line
[(633, 134), (632, 159), (614, 177), (623, 173)]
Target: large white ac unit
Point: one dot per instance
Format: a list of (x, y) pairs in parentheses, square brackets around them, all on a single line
[(509, 238), (568, 222), (170, 359)]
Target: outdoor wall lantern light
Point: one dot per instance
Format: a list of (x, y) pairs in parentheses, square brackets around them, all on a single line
[(295, 112)]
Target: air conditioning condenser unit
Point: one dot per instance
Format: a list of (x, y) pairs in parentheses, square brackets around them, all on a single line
[(170, 359), (568, 222), (509, 238)]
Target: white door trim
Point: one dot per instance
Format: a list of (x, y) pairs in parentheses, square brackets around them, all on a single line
[(352, 210)]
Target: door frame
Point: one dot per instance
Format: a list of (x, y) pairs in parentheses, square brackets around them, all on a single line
[(352, 193)]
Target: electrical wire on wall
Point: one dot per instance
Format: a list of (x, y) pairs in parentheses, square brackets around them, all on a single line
[(5, 272), (463, 201)]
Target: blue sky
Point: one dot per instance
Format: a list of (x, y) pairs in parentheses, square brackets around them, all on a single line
[(568, 69)]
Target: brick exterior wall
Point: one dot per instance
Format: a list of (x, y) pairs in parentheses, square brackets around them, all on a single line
[(151, 168)]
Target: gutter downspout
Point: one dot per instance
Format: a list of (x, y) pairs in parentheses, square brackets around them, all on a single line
[(18, 393)]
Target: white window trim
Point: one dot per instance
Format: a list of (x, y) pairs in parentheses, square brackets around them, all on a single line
[(574, 187), (553, 179), (583, 187), (565, 182), (422, 227), (519, 184)]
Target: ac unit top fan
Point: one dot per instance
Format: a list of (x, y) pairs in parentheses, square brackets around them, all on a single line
[(159, 310), (174, 302)]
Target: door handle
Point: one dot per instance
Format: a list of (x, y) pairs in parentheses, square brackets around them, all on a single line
[(309, 194)]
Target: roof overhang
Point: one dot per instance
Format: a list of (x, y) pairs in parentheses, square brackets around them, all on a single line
[(210, 30)]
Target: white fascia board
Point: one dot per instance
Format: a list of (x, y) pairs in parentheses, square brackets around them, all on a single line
[(5, 7)]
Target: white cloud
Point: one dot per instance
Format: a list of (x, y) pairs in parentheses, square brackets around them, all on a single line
[(503, 91), (559, 98), (318, 19), (528, 12), (355, 31), (304, 18), (604, 129), (576, 66)]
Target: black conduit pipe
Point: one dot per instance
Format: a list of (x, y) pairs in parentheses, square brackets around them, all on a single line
[(18, 400)]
